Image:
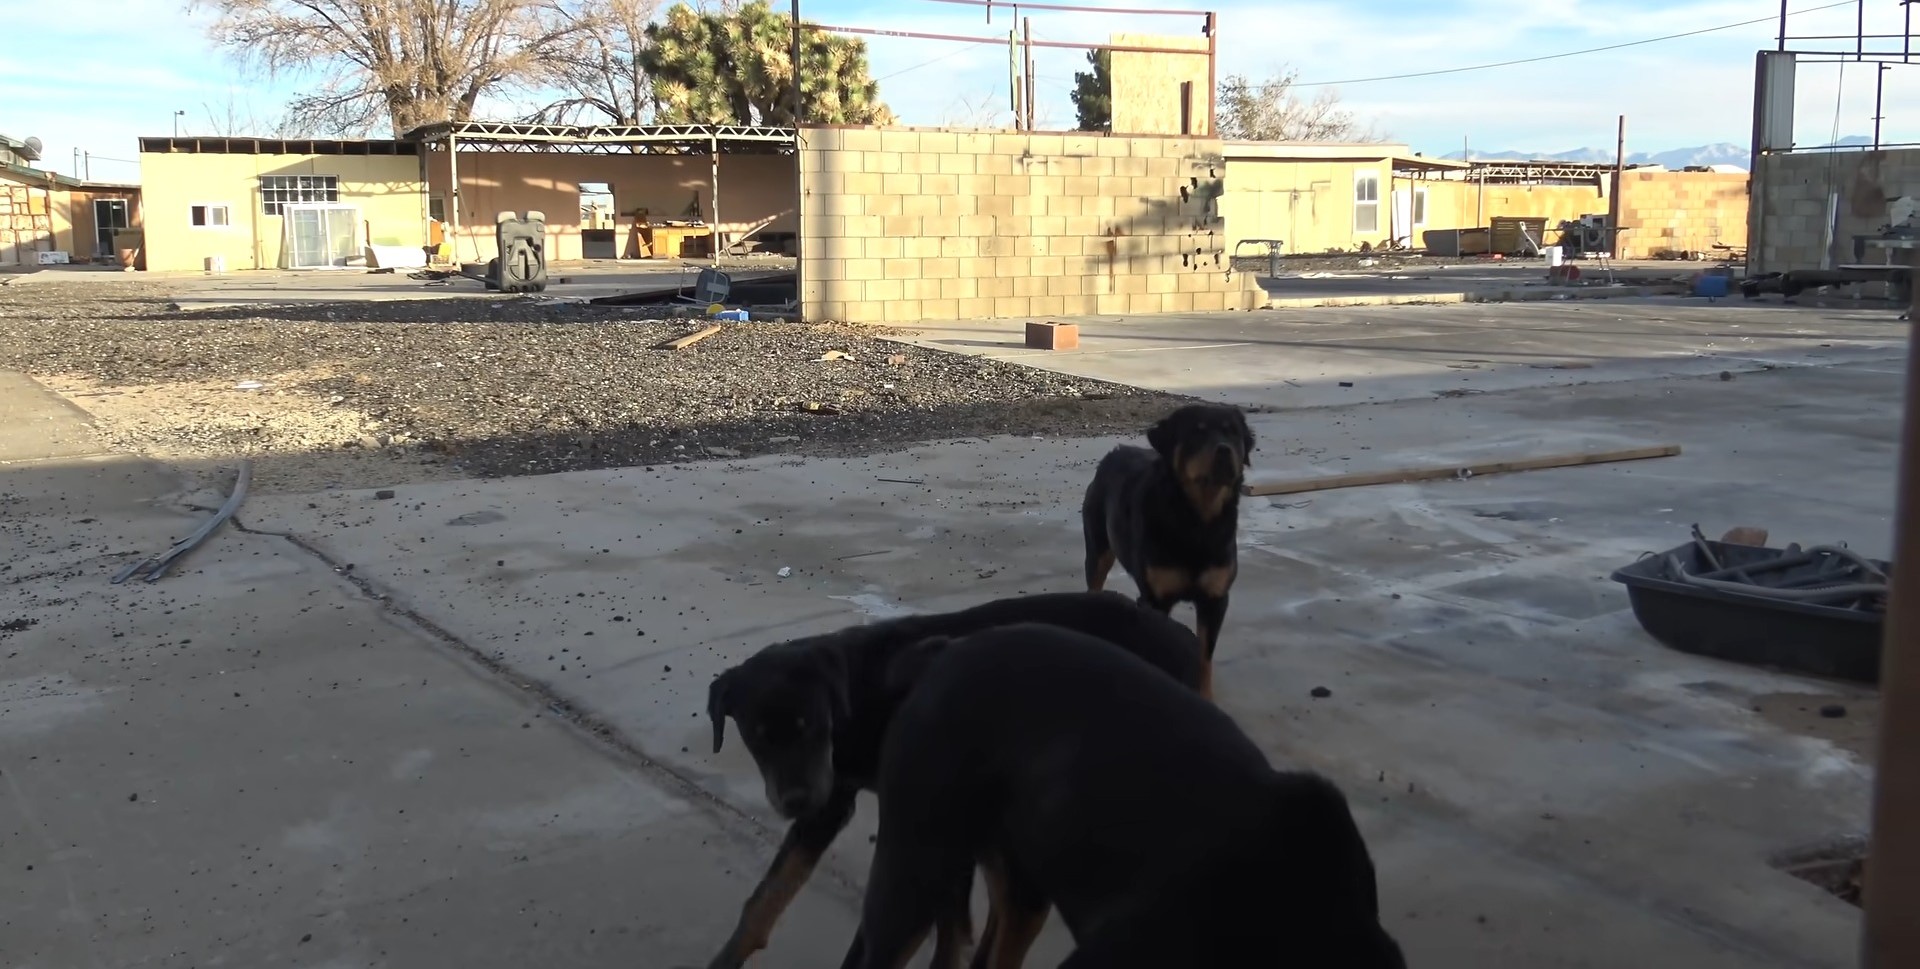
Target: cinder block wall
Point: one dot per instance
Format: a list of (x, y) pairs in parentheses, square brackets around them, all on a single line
[(1790, 204), (904, 224), (1673, 212)]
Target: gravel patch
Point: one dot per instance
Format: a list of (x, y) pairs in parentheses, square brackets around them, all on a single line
[(360, 394)]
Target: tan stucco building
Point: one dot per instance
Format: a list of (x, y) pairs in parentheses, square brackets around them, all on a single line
[(260, 203), (45, 212)]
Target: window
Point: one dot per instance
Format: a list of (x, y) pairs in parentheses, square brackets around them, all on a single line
[(276, 191), (1419, 207), (1186, 107), (437, 208), (214, 216), (1366, 202)]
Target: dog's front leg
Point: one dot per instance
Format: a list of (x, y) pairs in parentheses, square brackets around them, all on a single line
[(800, 851), (1209, 612)]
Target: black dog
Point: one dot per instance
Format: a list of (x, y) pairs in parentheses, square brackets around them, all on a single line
[(1170, 516), (1080, 777), (814, 711)]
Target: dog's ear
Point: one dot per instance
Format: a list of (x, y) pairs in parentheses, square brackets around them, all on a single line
[(831, 665), (1161, 437), (908, 662), (719, 705), (1246, 439)]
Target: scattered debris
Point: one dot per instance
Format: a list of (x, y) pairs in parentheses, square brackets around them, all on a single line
[(153, 568), (248, 385), (17, 625), (478, 518), (911, 481), (383, 494), (785, 571), (1833, 711), (723, 452), (836, 355), (896, 359), (1745, 535), (691, 338), (1320, 693)]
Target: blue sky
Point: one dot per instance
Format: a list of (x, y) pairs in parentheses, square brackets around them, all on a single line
[(76, 85)]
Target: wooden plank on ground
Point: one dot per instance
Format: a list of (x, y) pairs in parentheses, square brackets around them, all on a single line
[(1362, 479), (690, 339)]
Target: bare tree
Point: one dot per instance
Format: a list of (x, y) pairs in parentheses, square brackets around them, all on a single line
[(989, 110), (404, 62), (1271, 111), (598, 71), (230, 118)]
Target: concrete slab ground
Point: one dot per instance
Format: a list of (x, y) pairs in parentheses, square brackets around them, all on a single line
[(251, 763), (1479, 281), (1542, 784), (1293, 358)]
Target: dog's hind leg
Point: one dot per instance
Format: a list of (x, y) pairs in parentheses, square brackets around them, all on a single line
[(1016, 913), (800, 851)]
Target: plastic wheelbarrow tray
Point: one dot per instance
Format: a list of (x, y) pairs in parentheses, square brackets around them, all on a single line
[(1817, 610)]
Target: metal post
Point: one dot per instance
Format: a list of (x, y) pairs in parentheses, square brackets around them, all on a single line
[(1213, 67), (799, 180), (87, 162), (1013, 75), (1859, 28), (1026, 27), (453, 202), (799, 100), (1879, 84), (1614, 208), (1891, 939), (1783, 24), (714, 230)]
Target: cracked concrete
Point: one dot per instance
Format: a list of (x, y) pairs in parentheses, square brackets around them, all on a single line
[(1542, 785)]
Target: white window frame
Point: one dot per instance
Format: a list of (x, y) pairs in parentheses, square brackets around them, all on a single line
[(305, 189), (210, 225), (1419, 214), (1360, 177)]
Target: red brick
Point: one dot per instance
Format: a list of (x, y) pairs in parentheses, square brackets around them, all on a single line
[(1053, 336)]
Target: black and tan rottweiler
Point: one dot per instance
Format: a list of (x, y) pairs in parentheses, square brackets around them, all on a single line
[(1170, 516), (814, 711), (1080, 778)]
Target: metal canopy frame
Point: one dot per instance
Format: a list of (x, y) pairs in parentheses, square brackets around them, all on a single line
[(665, 139), (522, 137)]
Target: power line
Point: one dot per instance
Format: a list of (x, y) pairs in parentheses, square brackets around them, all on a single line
[(1550, 57), (934, 60)]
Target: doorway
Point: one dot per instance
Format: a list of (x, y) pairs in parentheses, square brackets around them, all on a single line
[(321, 236), (599, 230), (109, 216)]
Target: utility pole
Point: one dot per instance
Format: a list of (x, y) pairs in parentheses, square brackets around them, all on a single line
[(1619, 182), (1013, 76), (1026, 25)]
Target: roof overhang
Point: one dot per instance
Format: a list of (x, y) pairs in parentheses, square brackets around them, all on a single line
[(276, 146)]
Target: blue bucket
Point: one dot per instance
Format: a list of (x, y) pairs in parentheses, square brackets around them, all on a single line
[(1711, 285)]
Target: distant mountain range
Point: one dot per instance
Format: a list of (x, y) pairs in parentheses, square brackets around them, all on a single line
[(1722, 153)]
